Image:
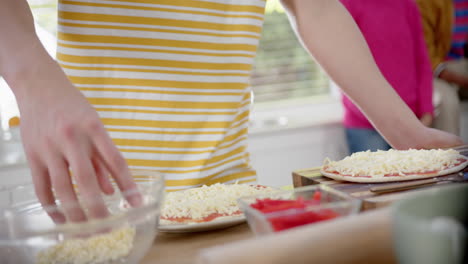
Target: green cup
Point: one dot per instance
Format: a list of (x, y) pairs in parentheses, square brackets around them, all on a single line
[(428, 227)]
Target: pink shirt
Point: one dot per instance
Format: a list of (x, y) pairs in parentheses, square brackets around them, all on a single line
[(394, 34)]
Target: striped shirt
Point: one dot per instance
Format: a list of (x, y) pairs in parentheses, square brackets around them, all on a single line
[(169, 79), (460, 30)]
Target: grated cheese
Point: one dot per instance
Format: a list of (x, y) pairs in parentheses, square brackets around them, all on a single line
[(97, 249), (399, 162), (198, 203)]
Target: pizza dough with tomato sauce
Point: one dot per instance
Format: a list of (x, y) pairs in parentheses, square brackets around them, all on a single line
[(394, 165), (207, 203)]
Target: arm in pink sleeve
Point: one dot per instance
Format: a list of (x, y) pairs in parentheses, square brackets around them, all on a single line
[(424, 71)]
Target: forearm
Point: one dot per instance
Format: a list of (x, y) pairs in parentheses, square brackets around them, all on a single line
[(21, 52), (332, 37)]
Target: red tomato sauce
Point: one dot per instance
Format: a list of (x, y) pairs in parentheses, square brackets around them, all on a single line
[(208, 218)]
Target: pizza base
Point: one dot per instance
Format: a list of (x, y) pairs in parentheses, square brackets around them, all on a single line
[(224, 217), (166, 219), (394, 178)]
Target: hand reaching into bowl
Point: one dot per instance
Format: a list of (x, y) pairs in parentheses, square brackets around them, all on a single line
[(69, 135), (61, 132)]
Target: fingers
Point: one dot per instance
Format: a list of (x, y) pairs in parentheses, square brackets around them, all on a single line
[(43, 189), (58, 178), (116, 165), (448, 140), (102, 175), (62, 184), (64, 137), (77, 149), (457, 141), (426, 119), (79, 159), (441, 139)]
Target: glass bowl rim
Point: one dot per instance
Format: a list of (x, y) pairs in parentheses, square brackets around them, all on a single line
[(8, 214)]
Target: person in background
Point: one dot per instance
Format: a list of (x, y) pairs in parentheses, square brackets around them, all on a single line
[(445, 25), (393, 32), (164, 85)]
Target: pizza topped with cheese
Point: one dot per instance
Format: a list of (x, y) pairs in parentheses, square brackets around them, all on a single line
[(207, 203), (394, 165)]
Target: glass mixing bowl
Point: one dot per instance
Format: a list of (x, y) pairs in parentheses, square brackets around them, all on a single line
[(28, 235)]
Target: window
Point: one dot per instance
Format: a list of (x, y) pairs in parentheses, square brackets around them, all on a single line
[(283, 69)]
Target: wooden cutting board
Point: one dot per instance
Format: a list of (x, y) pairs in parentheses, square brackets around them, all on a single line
[(312, 176)]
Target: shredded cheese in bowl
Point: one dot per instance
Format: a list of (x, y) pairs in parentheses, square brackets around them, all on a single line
[(97, 249), (199, 203), (30, 235)]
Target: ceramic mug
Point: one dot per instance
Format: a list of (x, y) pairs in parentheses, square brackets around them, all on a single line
[(428, 227)]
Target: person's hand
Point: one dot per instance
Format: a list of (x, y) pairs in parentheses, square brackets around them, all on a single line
[(62, 133), (433, 138), (463, 82), (456, 78), (419, 136), (426, 119)]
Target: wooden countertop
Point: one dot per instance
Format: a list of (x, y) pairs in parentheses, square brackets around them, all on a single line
[(182, 248), (364, 238)]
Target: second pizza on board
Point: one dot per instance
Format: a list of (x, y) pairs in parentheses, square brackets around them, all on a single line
[(394, 165)]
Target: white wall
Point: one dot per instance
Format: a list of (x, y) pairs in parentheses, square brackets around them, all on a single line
[(297, 136), (276, 154)]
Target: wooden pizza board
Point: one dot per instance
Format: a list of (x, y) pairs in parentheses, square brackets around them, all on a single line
[(312, 176)]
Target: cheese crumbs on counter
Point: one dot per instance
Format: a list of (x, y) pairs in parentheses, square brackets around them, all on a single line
[(97, 249), (201, 202)]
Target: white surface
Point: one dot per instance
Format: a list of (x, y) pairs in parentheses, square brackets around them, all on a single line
[(296, 136), (13, 175), (275, 155), (297, 113), (199, 227)]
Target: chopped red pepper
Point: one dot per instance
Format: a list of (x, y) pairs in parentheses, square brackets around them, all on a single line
[(317, 196), (301, 217)]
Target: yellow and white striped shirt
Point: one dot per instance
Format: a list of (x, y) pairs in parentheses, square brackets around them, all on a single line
[(170, 80)]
